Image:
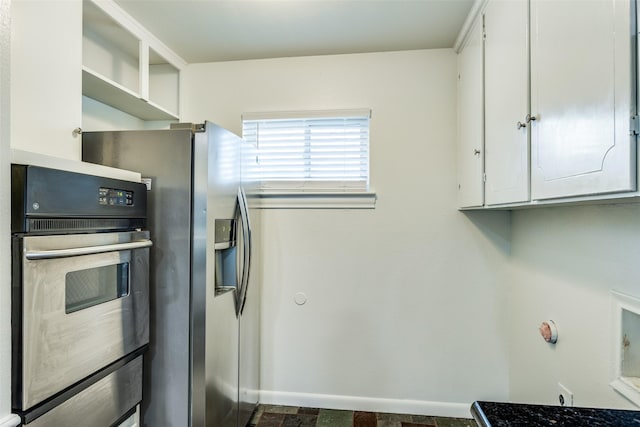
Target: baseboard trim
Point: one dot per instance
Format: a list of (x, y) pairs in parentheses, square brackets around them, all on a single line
[(11, 420), (397, 406)]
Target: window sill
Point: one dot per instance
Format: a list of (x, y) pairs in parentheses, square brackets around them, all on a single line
[(313, 201)]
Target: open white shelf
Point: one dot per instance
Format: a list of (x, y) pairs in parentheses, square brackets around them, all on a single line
[(125, 66), (626, 346), (114, 94)]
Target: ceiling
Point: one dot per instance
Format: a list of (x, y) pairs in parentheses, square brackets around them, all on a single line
[(225, 30)]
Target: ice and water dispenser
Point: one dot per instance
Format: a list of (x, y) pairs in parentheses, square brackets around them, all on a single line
[(226, 256)]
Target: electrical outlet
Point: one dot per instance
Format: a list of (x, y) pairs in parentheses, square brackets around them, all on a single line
[(565, 397)]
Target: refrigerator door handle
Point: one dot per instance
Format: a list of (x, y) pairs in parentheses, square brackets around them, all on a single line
[(246, 250)]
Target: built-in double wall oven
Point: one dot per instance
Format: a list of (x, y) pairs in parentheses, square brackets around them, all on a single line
[(80, 297)]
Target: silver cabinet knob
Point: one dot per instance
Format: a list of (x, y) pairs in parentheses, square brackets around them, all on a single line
[(476, 152), (521, 125), (530, 118)]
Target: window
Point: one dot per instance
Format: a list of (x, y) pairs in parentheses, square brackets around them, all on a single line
[(86, 288), (309, 151)]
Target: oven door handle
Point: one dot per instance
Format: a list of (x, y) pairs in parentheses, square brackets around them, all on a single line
[(62, 253)]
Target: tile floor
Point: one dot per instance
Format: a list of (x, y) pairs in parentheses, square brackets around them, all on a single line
[(292, 416)]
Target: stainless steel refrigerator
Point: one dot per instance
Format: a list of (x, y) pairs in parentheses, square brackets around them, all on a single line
[(202, 368)]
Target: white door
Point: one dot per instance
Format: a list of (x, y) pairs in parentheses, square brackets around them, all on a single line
[(581, 98), (506, 102), (470, 121)]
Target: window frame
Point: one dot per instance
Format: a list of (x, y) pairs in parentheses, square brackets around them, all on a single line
[(311, 194)]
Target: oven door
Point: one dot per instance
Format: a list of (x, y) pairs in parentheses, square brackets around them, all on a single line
[(82, 302)]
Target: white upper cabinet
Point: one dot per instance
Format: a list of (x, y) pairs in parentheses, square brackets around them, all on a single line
[(560, 103), (506, 102), (125, 66), (582, 97), (46, 56), (470, 119)]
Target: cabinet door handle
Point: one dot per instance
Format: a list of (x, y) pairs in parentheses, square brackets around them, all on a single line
[(521, 125), (476, 152), (530, 118)]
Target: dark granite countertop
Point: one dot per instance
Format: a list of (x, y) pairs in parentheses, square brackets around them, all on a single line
[(494, 414)]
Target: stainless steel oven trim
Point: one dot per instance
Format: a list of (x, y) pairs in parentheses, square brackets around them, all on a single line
[(100, 404), (41, 409), (57, 348)]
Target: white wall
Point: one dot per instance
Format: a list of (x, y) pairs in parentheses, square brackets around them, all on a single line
[(404, 301), (5, 218), (565, 262)]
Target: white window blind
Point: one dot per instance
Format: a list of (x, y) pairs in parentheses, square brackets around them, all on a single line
[(324, 151)]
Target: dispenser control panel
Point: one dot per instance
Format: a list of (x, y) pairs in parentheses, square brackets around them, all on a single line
[(225, 230)]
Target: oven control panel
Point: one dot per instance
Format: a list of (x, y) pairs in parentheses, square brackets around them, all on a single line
[(115, 197), (78, 202)]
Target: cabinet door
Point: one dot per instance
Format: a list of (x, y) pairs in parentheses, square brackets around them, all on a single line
[(46, 81), (581, 96), (506, 101), (470, 121)]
